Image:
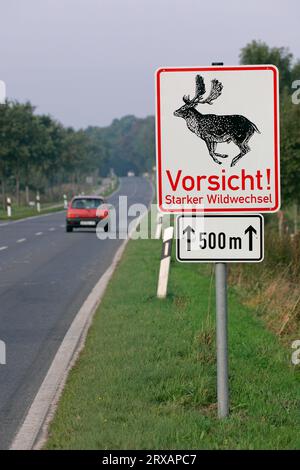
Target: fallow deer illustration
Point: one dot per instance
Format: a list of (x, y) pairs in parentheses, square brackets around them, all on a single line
[(213, 128)]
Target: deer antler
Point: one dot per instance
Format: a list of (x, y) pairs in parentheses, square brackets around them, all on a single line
[(200, 90), (215, 92), (200, 86)]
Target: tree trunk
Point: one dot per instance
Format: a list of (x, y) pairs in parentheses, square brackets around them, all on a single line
[(280, 216), (295, 218), (18, 189), (3, 193)]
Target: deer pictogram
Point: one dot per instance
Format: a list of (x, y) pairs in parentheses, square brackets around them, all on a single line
[(212, 128)]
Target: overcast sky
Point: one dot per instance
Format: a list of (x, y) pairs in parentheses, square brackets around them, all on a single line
[(88, 61)]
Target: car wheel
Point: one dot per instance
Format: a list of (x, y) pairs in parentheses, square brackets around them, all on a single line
[(69, 228)]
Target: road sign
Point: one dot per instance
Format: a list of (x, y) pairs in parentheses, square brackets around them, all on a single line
[(218, 139), (2, 92), (219, 238)]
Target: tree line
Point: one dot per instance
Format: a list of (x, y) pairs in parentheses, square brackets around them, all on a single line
[(38, 152), (128, 144), (258, 52)]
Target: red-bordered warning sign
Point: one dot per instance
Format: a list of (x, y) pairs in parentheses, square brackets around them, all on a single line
[(217, 133)]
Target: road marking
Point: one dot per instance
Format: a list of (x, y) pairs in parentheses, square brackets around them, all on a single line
[(21, 240), (51, 229), (39, 233), (62, 225), (3, 248)]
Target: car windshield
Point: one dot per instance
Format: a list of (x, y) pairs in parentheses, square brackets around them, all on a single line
[(87, 203)]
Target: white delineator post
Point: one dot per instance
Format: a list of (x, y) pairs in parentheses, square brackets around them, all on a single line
[(65, 202), (158, 226), (8, 206), (38, 204), (165, 263)]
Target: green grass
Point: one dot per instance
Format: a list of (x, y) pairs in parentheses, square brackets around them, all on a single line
[(22, 212), (147, 376)]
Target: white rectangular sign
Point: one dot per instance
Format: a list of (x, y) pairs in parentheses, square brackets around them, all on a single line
[(218, 139), (2, 92), (223, 238)]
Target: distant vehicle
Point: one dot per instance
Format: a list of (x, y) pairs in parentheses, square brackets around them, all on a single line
[(86, 211), (130, 173)]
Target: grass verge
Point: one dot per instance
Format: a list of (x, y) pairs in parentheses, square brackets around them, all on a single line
[(146, 378), (271, 289)]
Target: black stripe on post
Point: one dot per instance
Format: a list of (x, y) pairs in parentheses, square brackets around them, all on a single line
[(166, 249)]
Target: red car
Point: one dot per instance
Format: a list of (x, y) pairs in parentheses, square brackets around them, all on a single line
[(86, 211)]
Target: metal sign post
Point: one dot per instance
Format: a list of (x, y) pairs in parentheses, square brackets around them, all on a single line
[(222, 334), (222, 340)]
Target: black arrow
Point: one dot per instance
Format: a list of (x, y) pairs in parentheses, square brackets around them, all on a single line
[(251, 230), (189, 230)]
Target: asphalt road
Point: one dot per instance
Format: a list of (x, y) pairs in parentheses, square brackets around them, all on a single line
[(45, 276)]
